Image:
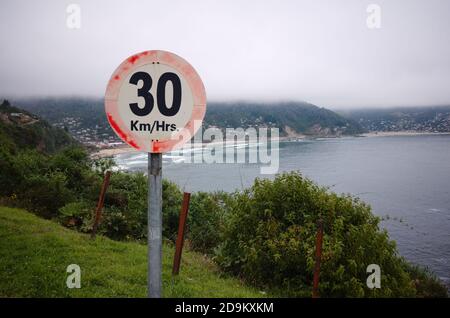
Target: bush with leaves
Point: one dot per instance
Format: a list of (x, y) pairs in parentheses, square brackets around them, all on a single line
[(125, 211), (8, 171), (270, 241), (77, 215), (125, 214), (172, 198), (426, 283), (47, 193), (206, 220)]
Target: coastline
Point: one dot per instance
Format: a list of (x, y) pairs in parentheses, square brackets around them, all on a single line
[(401, 133), (110, 152)]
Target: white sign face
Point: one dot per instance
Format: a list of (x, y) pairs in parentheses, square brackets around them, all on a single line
[(155, 101)]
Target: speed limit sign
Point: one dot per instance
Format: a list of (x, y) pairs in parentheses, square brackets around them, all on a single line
[(155, 101)]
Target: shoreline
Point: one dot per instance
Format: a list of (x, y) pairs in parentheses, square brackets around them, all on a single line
[(402, 133), (110, 152)]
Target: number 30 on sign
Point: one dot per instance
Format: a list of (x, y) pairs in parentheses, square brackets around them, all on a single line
[(155, 101)]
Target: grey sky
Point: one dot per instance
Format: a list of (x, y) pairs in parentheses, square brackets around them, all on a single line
[(318, 51)]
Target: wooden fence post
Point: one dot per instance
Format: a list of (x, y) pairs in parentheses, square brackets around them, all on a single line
[(180, 237), (101, 200)]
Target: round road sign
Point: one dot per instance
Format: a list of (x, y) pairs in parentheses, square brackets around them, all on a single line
[(155, 101)]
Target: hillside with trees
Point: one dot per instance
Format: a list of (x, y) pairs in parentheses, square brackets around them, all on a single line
[(85, 118), (22, 129), (291, 117)]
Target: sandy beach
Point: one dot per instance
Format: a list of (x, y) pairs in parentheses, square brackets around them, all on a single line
[(110, 152)]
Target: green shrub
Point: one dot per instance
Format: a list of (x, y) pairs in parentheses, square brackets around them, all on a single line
[(426, 283), (126, 207), (206, 220), (8, 172), (125, 212), (78, 215), (76, 166), (45, 194), (45, 183), (172, 199), (270, 241), (118, 225)]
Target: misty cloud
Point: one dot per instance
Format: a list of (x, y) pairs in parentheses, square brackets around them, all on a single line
[(318, 51)]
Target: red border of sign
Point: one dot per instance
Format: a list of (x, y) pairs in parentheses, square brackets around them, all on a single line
[(194, 82)]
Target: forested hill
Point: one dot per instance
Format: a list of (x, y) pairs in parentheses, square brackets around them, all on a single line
[(291, 117), (85, 118), (20, 129)]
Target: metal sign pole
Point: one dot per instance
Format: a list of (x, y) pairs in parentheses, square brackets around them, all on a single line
[(165, 130), (154, 225)]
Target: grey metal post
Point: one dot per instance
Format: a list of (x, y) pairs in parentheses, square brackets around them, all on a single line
[(154, 225)]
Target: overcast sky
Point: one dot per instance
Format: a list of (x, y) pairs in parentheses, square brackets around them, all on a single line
[(318, 51)]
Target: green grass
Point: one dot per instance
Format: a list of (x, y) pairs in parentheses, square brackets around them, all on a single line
[(34, 255)]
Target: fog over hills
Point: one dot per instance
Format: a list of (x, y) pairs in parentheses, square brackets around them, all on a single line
[(319, 51)]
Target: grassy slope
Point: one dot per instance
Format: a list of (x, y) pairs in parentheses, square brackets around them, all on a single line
[(34, 254)]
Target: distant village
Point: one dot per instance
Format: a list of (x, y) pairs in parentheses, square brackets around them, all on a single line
[(98, 136), (102, 137), (438, 124)]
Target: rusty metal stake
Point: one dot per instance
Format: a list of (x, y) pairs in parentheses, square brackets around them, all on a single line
[(319, 239), (180, 237), (101, 200)]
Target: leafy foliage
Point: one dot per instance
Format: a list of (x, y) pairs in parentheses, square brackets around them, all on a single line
[(206, 220), (77, 215), (270, 240), (426, 282)]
